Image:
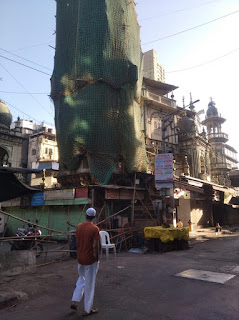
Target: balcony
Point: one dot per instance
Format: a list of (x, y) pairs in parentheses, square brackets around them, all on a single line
[(146, 94), (218, 137), (221, 166)]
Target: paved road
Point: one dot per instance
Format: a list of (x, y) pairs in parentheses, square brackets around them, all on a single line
[(138, 287)]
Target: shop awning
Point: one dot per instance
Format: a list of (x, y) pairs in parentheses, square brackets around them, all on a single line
[(185, 185), (11, 187)]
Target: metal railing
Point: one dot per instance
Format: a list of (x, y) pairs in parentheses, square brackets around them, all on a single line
[(218, 136)]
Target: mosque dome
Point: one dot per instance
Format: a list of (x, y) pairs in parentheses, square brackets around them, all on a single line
[(212, 110), (5, 116), (186, 125)]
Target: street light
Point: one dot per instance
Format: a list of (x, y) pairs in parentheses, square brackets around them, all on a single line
[(170, 120)]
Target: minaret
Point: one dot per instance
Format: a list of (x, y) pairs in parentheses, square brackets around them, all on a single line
[(213, 122), (217, 139)]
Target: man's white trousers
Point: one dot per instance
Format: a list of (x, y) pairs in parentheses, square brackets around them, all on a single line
[(86, 285)]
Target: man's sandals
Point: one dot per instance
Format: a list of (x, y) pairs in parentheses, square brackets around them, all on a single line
[(74, 305), (93, 311)]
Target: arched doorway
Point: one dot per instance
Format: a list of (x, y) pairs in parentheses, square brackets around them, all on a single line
[(3, 157)]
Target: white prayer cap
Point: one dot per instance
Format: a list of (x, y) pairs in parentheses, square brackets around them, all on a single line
[(91, 212)]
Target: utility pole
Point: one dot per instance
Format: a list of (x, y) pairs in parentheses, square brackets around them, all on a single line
[(166, 121)]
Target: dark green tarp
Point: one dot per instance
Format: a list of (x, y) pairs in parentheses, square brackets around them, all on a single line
[(11, 187)]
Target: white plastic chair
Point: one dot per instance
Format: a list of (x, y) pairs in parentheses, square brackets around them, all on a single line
[(106, 244)]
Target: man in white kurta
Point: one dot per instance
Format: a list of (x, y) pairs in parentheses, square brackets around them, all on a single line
[(87, 239)]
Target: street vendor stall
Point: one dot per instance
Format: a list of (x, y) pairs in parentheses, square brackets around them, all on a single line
[(167, 239)]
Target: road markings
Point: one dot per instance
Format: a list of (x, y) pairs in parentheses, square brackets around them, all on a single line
[(236, 269), (206, 275)]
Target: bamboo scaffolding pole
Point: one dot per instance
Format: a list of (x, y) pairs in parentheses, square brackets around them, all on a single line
[(72, 225), (153, 207), (5, 227), (123, 233), (33, 237), (144, 206), (113, 215), (101, 210), (34, 224), (27, 239), (153, 219), (55, 250), (48, 225), (68, 220), (132, 211), (119, 229), (51, 262), (105, 218)]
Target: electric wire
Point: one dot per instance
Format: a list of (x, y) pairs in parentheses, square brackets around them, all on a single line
[(30, 117), (26, 90), (204, 63), (176, 11), (13, 92), (192, 28), (24, 59), (22, 64), (35, 45)]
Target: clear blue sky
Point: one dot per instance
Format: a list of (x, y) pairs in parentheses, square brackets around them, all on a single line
[(27, 30)]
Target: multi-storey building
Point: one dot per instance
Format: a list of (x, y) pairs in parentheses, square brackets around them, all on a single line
[(43, 154), (155, 106), (152, 68)]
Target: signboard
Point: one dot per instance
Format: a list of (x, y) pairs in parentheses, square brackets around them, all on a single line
[(164, 167), (142, 212), (11, 203), (64, 194), (111, 194), (38, 199), (127, 194), (81, 193), (164, 171), (124, 194)]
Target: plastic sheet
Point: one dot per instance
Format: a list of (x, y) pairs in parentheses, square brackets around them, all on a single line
[(166, 234)]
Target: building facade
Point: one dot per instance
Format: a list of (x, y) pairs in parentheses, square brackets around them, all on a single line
[(43, 155), (25, 144), (152, 68), (10, 142)]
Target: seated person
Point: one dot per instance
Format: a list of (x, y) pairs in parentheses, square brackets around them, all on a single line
[(179, 224), (218, 227)]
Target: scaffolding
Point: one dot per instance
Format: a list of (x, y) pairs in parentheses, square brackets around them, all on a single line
[(96, 87)]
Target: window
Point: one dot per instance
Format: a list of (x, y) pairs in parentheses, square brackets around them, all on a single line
[(34, 152), (202, 165), (46, 151), (50, 151)]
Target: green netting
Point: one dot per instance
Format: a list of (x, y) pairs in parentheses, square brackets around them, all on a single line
[(96, 86)]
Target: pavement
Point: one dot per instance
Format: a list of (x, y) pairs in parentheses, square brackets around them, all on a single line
[(136, 286)]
